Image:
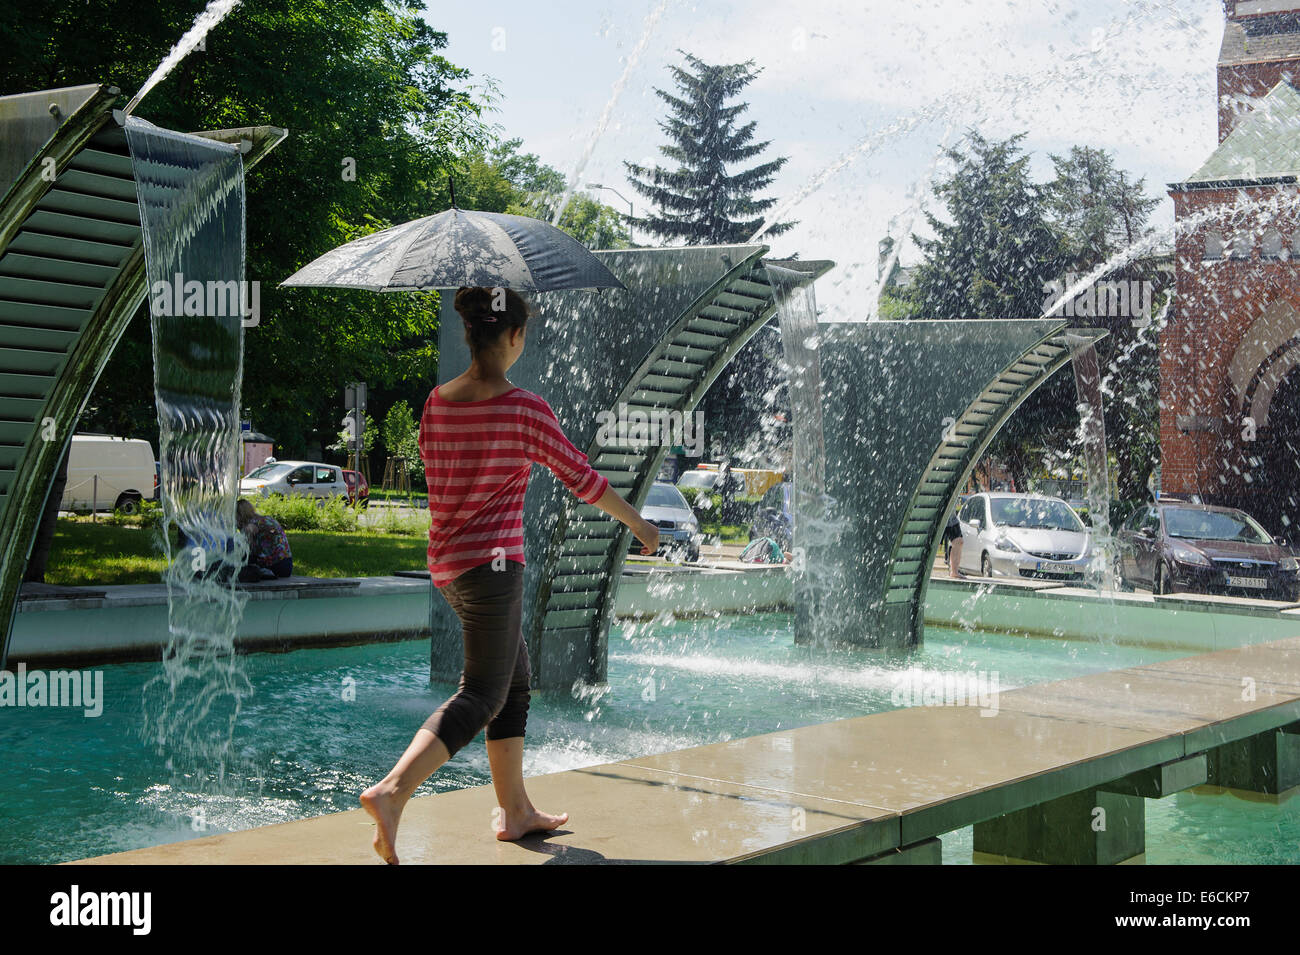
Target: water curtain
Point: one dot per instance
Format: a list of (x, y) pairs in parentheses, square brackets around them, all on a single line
[(814, 525), (191, 197), (1092, 429)]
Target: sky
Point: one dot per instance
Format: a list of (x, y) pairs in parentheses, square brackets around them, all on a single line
[(860, 96)]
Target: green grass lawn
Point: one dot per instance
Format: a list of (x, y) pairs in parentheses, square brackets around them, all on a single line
[(85, 554)]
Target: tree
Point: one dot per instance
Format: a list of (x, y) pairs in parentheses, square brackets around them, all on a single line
[(700, 201), (401, 435), (1101, 212), (500, 178), (1005, 243), (998, 249), (990, 259)]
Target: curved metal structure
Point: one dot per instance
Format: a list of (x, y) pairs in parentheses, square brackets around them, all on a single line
[(71, 278), (657, 347), (916, 404)]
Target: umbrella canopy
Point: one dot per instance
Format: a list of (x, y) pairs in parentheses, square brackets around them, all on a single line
[(456, 248)]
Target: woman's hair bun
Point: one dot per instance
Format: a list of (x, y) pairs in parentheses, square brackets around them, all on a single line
[(474, 303), (489, 312)]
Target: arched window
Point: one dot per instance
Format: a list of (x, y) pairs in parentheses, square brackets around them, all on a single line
[(1240, 246), (1295, 246), (1273, 249), (1214, 247)]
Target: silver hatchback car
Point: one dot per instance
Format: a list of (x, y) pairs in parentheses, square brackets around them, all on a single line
[(1023, 535), (295, 479)]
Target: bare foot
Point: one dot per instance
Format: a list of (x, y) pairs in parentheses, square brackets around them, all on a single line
[(387, 812), (516, 827)]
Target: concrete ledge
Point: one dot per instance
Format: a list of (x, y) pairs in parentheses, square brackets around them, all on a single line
[(695, 590), (116, 624), (1180, 621)]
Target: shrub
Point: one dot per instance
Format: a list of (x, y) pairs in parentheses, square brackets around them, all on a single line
[(337, 515), (294, 513), (149, 515), (707, 505), (391, 522)]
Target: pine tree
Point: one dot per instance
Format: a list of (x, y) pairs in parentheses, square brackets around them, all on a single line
[(992, 259), (700, 201)]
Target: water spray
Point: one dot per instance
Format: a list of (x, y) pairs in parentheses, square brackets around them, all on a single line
[(212, 14)]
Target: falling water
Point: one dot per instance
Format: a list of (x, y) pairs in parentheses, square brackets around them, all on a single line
[(815, 524), (212, 14), (633, 58), (191, 198), (1092, 428)]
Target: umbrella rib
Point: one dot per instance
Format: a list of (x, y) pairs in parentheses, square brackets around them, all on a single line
[(415, 234)]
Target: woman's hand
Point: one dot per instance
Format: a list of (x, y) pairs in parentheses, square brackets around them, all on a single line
[(612, 503), (648, 535)]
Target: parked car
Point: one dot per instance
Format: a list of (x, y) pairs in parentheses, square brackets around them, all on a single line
[(295, 478), (358, 488), (774, 517), (679, 530), (702, 478), (1173, 546), (1023, 535), (107, 473)]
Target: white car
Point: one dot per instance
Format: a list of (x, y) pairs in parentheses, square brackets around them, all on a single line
[(1023, 535), (294, 478)]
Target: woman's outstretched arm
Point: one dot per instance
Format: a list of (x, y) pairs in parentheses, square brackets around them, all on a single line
[(613, 504), (548, 446)]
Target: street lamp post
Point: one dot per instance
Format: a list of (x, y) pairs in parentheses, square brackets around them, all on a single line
[(630, 210)]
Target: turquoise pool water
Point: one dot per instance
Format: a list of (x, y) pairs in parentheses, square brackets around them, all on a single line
[(73, 787)]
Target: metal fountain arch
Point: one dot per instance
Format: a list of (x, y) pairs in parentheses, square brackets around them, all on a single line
[(893, 473), (71, 278)]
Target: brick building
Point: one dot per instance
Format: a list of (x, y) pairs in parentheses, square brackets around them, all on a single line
[(1229, 384)]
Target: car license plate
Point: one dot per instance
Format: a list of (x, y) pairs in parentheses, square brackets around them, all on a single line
[(1260, 582), (1052, 567)]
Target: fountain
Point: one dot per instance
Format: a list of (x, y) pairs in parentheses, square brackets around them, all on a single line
[(656, 349)]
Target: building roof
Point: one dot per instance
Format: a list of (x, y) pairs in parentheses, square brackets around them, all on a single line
[(1261, 39), (1263, 148)]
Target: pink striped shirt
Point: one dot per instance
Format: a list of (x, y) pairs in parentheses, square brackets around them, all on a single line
[(477, 458)]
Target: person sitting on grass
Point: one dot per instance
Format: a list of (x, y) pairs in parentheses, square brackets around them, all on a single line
[(268, 546)]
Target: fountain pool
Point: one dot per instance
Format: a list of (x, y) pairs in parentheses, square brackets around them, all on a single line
[(322, 724)]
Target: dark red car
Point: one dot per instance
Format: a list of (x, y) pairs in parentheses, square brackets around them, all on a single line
[(1174, 546), (358, 487)]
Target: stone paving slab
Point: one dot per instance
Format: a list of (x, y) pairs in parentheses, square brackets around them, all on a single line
[(939, 768), (617, 814)]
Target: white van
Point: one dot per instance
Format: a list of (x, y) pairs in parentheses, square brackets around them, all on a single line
[(106, 473)]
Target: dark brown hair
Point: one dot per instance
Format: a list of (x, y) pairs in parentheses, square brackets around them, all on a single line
[(489, 313)]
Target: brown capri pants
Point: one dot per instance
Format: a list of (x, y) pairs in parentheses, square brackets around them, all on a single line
[(494, 686)]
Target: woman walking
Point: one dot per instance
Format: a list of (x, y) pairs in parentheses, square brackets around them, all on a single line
[(479, 437)]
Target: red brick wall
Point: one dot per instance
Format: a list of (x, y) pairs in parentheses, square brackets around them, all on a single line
[(1216, 303)]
